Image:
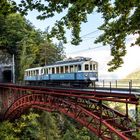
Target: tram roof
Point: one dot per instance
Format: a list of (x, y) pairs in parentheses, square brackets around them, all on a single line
[(70, 61), (36, 68)]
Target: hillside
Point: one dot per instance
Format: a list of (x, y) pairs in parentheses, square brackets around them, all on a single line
[(134, 75)]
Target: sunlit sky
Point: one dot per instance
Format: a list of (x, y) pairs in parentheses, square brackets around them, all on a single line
[(87, 48)]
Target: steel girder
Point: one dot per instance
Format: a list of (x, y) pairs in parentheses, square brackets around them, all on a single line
[(85, 107), (105, 122), (106, 95)]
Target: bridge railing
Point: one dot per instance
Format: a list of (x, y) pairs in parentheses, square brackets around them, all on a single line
[(127, 84), (119, 84)]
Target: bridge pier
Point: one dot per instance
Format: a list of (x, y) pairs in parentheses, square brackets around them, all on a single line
[(6, 99)]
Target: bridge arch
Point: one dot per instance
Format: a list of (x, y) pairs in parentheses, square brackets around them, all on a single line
[(68, 107)]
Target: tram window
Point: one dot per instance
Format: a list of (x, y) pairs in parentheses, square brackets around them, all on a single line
[(61, 70), (53, 70), (94, 67), (79, 67), (30, 73), (75, 68), (49, 71), (71, 68), (37, 72), (45, 71), (66, 69), (90, 66), (57, 69), (86, 67)]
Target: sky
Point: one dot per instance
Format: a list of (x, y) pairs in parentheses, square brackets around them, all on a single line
[(87, 48)]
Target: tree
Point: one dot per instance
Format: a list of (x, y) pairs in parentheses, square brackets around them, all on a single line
[(6, 8), (48, 125), (7, 131), (50, 52), (36, 50), (74, 131), (20, 38), (27, 127), (24, 128), (16, 30), (29, 48), (121, 18)]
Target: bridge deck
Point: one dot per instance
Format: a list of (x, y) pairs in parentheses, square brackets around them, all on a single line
[(107, 94)]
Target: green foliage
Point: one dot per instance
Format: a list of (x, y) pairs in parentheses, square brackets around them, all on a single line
[(20, 38), (50, 52), (49, 126), (6, 7), (46, 126), (74, 134), (74, 131), (121, 18), (6, 131), (37, 51), (27, 127), (29, 50), (14, 28)]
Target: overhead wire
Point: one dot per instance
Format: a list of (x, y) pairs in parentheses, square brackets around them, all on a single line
[(91, 48), (83, 36), (93, 32)]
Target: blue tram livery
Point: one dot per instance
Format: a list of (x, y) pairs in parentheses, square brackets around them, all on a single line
[(76, 71)]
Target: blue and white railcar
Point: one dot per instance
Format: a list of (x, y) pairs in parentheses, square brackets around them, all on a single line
[(33, 74), (79, 70)]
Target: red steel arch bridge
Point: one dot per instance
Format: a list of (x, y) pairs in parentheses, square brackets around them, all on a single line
[(86, 106)]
